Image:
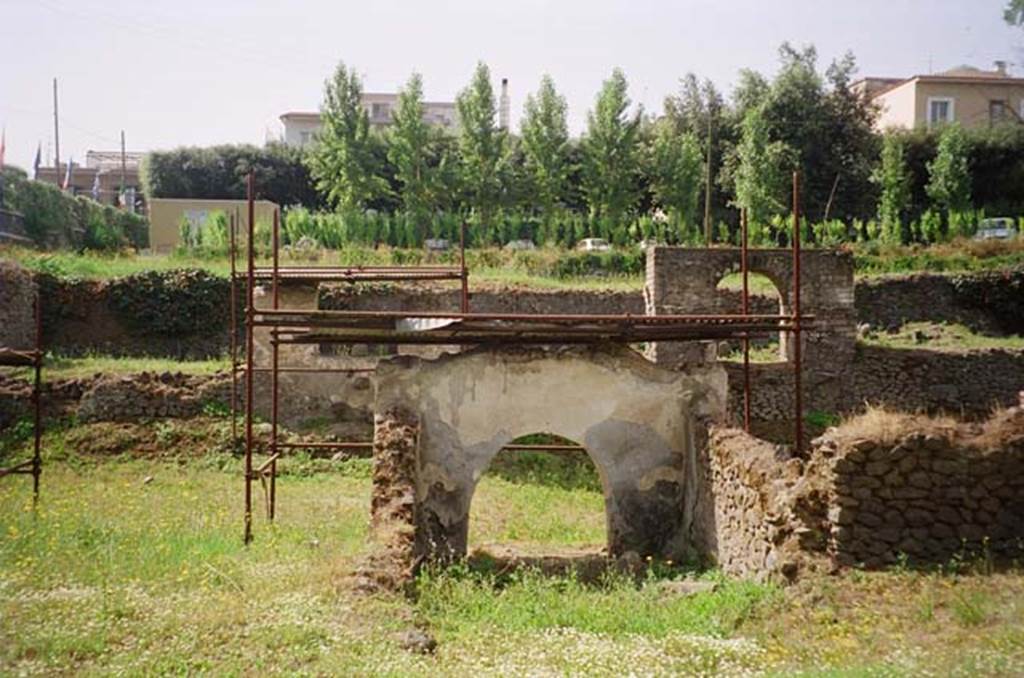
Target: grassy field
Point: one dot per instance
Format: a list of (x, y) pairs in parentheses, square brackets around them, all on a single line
[(941, 337), (134, 564), (64, 367)]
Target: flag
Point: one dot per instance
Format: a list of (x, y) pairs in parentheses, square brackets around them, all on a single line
[(3, 146), (67, 175), (96, 187), (38, 161)]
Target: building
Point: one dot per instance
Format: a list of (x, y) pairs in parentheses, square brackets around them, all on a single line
[(971, 96), (168, 215), (101, 177), (300, 127)]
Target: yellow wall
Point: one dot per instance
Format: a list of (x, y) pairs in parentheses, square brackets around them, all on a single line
[(166, 215), (906, 105)]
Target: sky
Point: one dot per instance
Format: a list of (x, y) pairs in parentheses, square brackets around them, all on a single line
[(193, 72)]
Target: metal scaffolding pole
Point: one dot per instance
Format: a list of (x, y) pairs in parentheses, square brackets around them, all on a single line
[(250, 313), (744, 264), (798, 405)]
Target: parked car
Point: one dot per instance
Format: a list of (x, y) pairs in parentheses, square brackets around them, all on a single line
[(520, 245), (997, 228), (593, 245), (436, 245)]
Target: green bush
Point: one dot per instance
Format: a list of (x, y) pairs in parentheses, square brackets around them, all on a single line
[(169, 303)]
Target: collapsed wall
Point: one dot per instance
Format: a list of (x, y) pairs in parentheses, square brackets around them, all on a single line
[(17, 298)]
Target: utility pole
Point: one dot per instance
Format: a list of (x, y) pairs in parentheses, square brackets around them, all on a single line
[(124, 162), (56, 134), (707, 185)]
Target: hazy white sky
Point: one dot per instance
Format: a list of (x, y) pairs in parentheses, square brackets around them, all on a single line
[(193, 72)]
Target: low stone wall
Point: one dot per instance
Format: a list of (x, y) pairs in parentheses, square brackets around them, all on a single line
[(150, 395), (764, 511), (990, 302), (968, 383), (926, 496), (181, 314), (17, 297), (882, 489)]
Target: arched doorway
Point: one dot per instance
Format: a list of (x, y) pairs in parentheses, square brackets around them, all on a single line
[(764, 299)]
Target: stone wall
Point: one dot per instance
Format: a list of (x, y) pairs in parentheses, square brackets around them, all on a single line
[(17, 298), (146, 395), (968, 383), (927, 495), (179, 314), (979, 300), (882, 489), (763, 511)]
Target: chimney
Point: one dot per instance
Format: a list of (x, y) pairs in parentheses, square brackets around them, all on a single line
[(1001, 67), (503, 105)]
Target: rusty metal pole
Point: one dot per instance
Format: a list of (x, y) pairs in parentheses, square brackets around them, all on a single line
[(746, 310), (462, 267), (37, 397), (250, 313), (233, 334), (274, 352), (798, 405)]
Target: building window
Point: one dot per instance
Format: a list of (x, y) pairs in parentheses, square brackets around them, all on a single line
[(305, 138), (940, 110), (380, 112), (998, 111)]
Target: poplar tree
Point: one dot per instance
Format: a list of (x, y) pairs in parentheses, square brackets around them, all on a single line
[(545, 142), (482, 146), (610, 155), (342, 161), (676, 176), (893, 180), (409, 151)]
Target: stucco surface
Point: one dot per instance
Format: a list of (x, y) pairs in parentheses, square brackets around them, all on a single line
[(639, 423)]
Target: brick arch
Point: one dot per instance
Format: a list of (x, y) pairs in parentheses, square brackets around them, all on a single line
[(641, 426)]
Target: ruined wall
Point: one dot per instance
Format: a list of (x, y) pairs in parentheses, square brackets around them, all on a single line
[(880, 489), (150, 395), (180, 314), (639, 424), (926, 495), (17, 297), (968, 383), (990, 302), (763, 511)]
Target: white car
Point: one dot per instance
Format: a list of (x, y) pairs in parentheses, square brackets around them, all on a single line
[(999, 228), (519, 245), (593, 245)]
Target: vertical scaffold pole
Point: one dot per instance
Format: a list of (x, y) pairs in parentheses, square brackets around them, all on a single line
[(464, 271), (746, 310), (798, 405), (250, 313), (37, 405), (233, 332), (274, 349)]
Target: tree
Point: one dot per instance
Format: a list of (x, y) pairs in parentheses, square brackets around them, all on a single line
[(1014, 12), (545, 143), (949, 177), (342, 162), (762, 172), (610, 158), (676, 176), (482, 146), (893, 178), (409, 151)]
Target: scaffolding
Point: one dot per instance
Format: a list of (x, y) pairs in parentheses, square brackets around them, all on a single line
[(292, 326), (32, 358)]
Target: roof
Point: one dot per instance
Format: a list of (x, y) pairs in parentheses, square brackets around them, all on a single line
[(960, 75)]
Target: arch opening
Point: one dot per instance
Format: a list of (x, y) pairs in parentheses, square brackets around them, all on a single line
[(534, 502), (766, 299)]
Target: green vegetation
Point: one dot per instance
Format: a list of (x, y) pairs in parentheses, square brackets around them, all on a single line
[(133, 563), (941, 336), (65, 367)]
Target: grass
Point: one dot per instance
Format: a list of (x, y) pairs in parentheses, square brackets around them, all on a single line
[(65, 367), (498, 267), (133, 563), (941, 337)]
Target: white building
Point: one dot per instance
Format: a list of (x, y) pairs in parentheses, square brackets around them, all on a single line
[(300, 127)]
